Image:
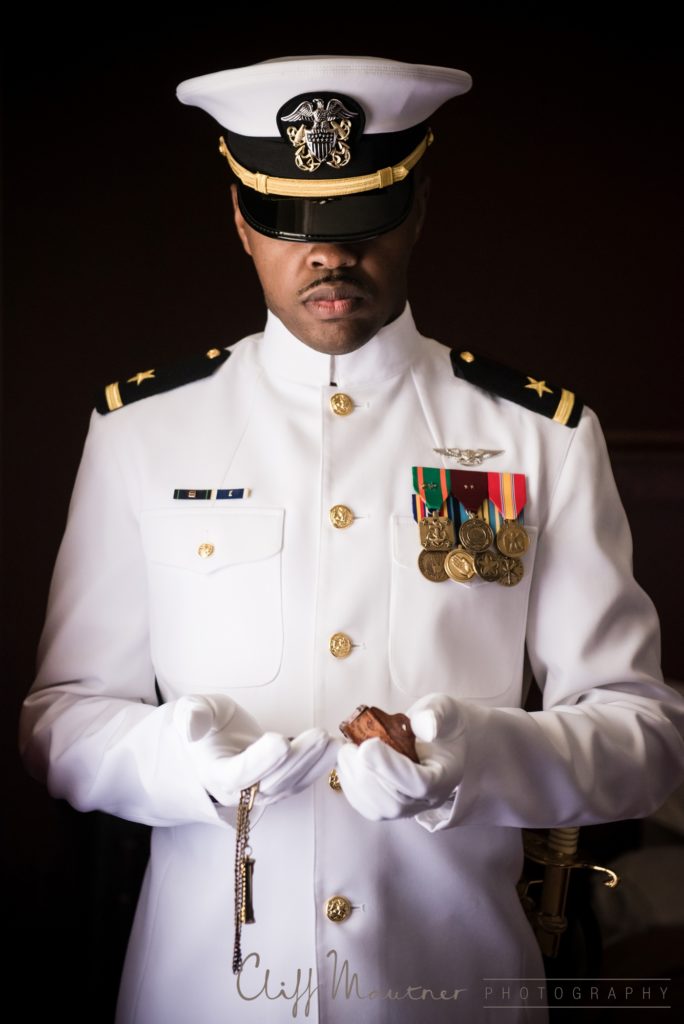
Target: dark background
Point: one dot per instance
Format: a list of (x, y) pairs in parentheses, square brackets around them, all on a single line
[(553, 244)]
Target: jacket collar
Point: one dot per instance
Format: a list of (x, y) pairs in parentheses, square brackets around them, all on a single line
[(387, 354)]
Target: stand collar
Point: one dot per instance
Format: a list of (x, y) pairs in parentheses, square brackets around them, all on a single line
[(385, 355)]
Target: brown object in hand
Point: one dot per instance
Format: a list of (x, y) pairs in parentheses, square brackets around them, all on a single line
[(395, 730)]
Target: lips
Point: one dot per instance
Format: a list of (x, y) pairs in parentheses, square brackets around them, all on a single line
[(334, 292), (328, 301)]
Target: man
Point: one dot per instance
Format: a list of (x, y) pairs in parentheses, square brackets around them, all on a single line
[(333, 513)]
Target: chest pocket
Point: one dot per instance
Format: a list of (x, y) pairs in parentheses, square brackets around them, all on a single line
[(465, 639), (216, 616)]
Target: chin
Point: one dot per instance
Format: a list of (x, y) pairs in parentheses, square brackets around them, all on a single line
[(339, 347), (337, 339)]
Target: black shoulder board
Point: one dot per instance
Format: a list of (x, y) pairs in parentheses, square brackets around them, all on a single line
[(154, 382), (559, 404)]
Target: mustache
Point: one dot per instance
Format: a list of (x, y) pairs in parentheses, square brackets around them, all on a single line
[(343, 277)]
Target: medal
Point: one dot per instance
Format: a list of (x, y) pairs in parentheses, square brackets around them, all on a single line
[(512, 572), (459, 565), (488, 566), (512, 540), (431, 565), (436, 533), (509, 494), (475, 534), (471, 489), (496, 498), (436, 530)]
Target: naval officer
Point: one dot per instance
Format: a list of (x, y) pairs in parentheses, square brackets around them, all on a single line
[(332, 512)]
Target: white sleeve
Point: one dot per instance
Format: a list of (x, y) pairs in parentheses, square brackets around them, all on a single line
[(90, 726), (608, 744)]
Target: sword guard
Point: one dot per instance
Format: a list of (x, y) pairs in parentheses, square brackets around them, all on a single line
[(538, 850)]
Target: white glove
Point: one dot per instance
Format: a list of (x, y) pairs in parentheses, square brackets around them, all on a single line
[(229, 751), (381, 784)]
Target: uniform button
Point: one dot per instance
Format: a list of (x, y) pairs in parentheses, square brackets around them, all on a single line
[(334, 781), (205, 550), (213, 353), (340, 645), (341, 516), (337, 909), (341, 404)]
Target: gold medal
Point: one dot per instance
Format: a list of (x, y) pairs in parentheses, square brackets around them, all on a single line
[(437, 536), (512, 572), (488, 565), (512, 539), (431, 565), (459, 565), (437, 533), (475, 534)]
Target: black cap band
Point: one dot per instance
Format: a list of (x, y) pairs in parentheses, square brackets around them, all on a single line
[(338, 219), (276, 157)]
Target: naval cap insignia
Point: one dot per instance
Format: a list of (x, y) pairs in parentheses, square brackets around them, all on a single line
[(319, 128), (469, 456)]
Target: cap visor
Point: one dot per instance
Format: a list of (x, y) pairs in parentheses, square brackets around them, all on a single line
[(338, 219)]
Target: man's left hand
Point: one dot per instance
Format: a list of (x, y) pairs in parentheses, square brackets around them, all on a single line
[(382, 784)]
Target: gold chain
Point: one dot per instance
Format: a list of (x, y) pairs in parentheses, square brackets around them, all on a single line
[(244, 868)]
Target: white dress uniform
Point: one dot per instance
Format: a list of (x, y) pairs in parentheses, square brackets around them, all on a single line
[(434, 910)]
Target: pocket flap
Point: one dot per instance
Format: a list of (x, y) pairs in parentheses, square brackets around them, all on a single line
[(206, 540)]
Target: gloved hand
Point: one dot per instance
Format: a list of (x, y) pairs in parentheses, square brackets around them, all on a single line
[(381, 784), (230, 752)]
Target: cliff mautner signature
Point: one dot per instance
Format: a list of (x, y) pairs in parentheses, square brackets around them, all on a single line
[(255, 983)]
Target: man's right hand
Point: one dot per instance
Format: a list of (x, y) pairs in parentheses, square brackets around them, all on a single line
[(230, 752)]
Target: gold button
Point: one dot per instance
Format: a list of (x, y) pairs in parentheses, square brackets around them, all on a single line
[(337, 909), (213, 353), (341, 404), (467, 357), (341, 516), (205, 550), (334, 781), (340, 645)]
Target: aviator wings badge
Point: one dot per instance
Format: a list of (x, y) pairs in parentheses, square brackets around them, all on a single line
[(469, 456), (324, 128)]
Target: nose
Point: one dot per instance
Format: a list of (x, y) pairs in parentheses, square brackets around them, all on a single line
[(331, 256)]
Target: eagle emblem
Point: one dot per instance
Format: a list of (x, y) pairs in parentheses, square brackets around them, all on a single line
[(322, 133)]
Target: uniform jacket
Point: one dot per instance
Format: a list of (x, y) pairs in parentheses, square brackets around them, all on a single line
[(435, 911)]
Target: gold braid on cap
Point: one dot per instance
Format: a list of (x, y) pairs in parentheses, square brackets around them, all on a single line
[(295, 187)]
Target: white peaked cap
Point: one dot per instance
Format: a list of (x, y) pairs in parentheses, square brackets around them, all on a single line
[(324, 147), (395, 96)]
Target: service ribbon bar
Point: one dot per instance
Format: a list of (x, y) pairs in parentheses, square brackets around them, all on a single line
[(220, 494)]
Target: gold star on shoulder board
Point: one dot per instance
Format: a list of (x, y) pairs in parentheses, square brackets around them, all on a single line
[(140, 377), (539, 386)]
